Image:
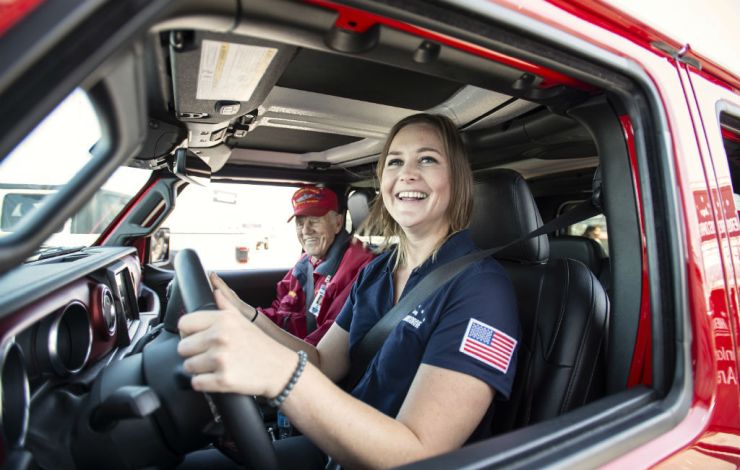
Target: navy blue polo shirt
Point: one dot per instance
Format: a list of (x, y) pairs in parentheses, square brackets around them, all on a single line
[(469, 325)]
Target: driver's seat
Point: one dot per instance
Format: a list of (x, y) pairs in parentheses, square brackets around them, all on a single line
[(563, 308)]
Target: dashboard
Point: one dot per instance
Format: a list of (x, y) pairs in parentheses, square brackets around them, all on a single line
[(64, 319)]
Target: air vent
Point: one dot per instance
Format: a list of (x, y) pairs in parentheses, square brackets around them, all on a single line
[(15, 397), (63, 341)]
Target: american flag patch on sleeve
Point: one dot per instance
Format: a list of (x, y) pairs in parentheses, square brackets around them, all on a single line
[(488, 345)]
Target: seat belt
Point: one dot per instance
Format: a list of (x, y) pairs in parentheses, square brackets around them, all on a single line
[(310, 317), (370, 344)]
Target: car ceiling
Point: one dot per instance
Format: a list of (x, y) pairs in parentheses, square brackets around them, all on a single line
[(322, 109)]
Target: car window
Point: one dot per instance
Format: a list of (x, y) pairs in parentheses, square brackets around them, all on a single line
[(731, 141), (48, 159), (234, 226), (16, 205), (594, 227)]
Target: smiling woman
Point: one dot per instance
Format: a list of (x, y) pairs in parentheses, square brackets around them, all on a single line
[(421, 145), (415, 185), (419, 373)]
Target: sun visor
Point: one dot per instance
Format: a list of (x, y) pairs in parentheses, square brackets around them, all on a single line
[(218, 78)]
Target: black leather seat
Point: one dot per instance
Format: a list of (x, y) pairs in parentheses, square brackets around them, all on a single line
[(563, 308), (585, 250)]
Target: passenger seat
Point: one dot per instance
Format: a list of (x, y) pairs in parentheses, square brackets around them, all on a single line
[(585, 250), (563, 309)]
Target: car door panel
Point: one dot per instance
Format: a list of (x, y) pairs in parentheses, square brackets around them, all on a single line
[(256, 287)]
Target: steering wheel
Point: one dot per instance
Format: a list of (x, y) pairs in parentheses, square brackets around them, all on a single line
[(239, 413)]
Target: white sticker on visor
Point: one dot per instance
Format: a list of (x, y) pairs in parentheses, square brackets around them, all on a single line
[(231, 71)]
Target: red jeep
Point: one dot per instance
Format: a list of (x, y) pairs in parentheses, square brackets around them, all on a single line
[(629, 349)]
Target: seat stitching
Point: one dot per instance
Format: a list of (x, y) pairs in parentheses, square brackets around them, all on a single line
[(516, 207), (599, 353), (592, 375), (535, 336), (563, 305), (581, 350)]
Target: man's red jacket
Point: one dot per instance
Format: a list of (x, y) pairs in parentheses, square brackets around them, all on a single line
[(345, 258)]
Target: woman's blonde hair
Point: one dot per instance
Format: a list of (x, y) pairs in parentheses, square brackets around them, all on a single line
[(459, 211)]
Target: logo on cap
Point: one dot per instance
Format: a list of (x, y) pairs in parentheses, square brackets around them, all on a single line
[(313, 201)]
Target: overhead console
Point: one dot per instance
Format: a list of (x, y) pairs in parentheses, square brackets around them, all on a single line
[(327, 81), (223, 77)]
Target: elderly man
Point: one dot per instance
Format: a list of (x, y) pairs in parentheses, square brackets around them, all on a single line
[(311, 295)]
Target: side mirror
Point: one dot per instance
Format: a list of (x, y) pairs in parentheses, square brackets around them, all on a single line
[(159, 245)]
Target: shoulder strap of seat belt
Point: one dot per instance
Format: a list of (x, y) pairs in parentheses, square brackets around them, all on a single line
[(309, 288), (370, 344)]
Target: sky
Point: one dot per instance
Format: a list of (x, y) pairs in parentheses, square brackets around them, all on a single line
[(710, 27), (60, 145), (57, 148)]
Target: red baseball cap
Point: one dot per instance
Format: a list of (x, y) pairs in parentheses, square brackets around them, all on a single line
[(314, 202)]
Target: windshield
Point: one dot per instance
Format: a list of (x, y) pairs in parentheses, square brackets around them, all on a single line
[(47, 159)]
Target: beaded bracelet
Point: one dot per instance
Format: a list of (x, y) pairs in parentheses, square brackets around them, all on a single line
[(278, 400)]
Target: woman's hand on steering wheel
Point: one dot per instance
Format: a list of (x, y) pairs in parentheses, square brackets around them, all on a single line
[(239, 413), (226, 353)]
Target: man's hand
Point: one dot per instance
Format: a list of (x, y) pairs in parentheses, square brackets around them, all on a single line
[(230, 296)]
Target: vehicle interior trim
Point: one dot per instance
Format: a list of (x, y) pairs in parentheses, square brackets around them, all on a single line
[(15, 396)]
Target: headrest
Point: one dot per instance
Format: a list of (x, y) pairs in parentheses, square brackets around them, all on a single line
[(504, 210), (585, 250), (596, 190), (358, 205)]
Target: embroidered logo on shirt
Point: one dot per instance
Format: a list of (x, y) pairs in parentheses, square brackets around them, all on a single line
[(488, 345), (413, 318)]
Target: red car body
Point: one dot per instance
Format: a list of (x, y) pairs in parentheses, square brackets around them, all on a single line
[(693, 92), (709, 435)]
